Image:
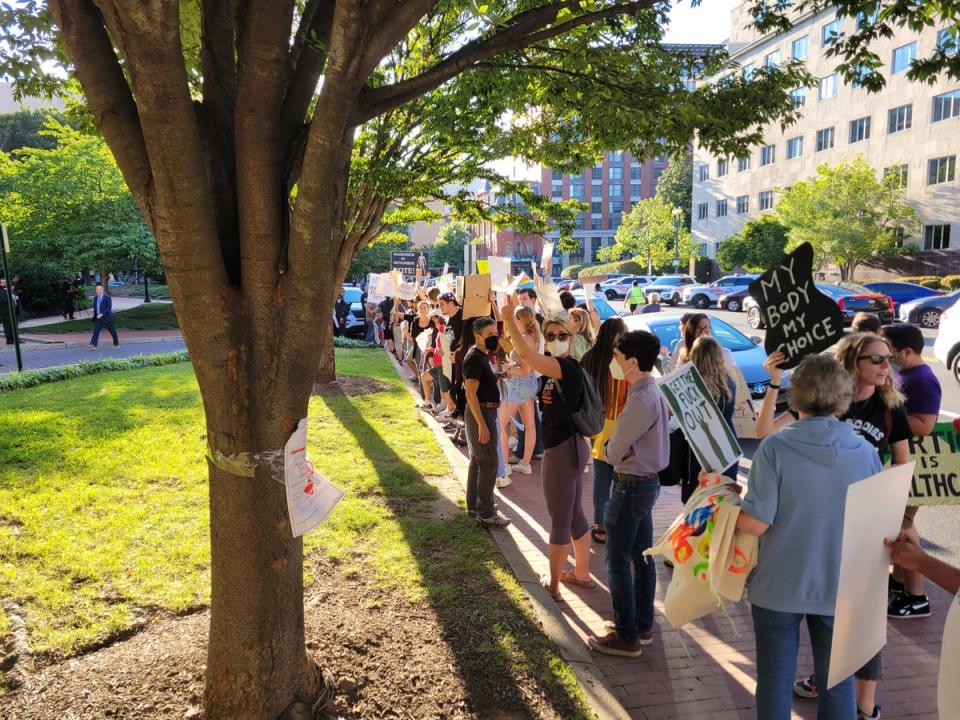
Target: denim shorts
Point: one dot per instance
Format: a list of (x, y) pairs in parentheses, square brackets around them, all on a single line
[(520, 389)]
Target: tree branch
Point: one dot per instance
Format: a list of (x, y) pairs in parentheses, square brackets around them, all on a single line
[(306, 60), (521, 31), (217, 63), (393, 21)]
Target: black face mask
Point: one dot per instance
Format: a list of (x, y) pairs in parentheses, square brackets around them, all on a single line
[(491, 343)]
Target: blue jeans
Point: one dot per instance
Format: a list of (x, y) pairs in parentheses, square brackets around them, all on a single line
[(778, 638), (538, 446), (602, 479), (632, 577)]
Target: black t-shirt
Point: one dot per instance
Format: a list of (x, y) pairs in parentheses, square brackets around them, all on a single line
[(870, 419), (415, 328), (476, 366), (557, 422), (386, 307), (454, 327)]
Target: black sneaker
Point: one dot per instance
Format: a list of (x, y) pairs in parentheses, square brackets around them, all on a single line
[(909, 606), (497, 521), (875, 715)]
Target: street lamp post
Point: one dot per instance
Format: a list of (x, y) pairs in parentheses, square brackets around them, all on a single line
[(677, 217)]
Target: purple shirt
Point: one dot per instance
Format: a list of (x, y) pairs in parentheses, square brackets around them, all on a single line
[(922, 389), (641, 443)]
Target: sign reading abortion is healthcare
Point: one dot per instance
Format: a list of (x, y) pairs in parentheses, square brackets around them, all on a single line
[(800, 319), (936, 475)]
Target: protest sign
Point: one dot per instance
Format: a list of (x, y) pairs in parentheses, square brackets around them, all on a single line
[(499, 272), (936, 477), (483, 267), (588, 282), (873, 512), (546, 257), (384, 286), (310, 496), (407, 262), (744, 412), (549, 298), (800, 319), (373, 280), (446, 269), (446, 283), (458, 289), (405, 291), (476, 296), (512, 287), (447, 356), (711, 439)]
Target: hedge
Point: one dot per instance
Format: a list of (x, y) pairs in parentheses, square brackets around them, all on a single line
[(930, 281), (571, 271), (627, 267)]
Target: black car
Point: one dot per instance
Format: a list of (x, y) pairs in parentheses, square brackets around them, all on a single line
[(926, 312)]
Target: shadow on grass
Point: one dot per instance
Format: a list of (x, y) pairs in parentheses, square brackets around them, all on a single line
[(484, 626)]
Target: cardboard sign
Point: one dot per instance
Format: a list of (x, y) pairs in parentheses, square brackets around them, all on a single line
[(936, 477), (800, 319), (873, 512), (592, 280), (711, 439), (310, 496), (549, 298), (447, 356), (499, 272), (476, 296), (546, 257), (744, 412)]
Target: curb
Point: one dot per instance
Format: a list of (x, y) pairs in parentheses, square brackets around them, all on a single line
[(553, 622)]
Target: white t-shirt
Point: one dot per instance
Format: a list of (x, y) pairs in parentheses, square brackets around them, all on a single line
[(948, 689)]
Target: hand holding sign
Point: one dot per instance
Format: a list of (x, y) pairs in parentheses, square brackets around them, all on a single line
[(800, 319)]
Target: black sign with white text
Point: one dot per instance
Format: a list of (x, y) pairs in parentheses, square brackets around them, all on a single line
[(408, 263), (800, 319)]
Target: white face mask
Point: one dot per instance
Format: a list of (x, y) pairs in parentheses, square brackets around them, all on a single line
[(557, 348), (616, 372)]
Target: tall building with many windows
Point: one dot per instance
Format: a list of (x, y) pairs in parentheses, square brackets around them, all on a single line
[(909, 128)]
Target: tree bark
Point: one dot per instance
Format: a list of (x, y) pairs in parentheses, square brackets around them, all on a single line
[(327, 368)]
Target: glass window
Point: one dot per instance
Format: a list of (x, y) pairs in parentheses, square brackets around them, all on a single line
[(860, 129), (798, 50), (596, 191), (941, 169), (768, 155), (615, 207), (616, 190), (900, 118), (636, 173), (557, 190), (616, 156), (903, 56), (824, 139), (766, 199), (794, 147), (704, 172), (936, 237), (748, 70), (635, 190), (721, 167), (772, 59), (596, 173), (557, 175), (864, 20), (721, 208), (899, 172), (946, 106), (576, 190), (828, 87), (703, 210), (616, 173), (949, 40), (596, 207), (743, 163), (743, 204), (799, 97), (595, 224), (829, 33), (615, 222)]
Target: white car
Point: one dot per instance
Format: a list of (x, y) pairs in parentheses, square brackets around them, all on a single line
[(946, 348), (669, 287)]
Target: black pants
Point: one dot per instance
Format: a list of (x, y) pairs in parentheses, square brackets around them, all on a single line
[(7, 328), (482, 473), (98, 325)]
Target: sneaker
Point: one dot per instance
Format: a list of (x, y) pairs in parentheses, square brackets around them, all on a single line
[(514, 460), (894, 590), (498, 520), (861, 715), (645, 638), (503, 482), (537, 456), (805, 688), (523, 468), (909, 606), (512, 443), (611, 644)]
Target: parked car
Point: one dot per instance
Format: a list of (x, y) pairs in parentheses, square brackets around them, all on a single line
[(604, 310), (618, 288), (902, 292), (733, 301), (850, 297), (748, 354), (669, 287), (926, 312), (946, 348), (703, 296)]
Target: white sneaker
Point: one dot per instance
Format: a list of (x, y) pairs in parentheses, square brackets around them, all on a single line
[(503, 482), (522, 468), (512, 443), (513, 460), (507, 470)]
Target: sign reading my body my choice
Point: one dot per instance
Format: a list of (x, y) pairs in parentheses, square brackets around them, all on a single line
[(800, 319)]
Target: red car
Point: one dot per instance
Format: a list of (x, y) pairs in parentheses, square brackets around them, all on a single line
[(733, 301)]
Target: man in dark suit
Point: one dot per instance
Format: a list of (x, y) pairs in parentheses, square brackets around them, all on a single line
[(102, 317)]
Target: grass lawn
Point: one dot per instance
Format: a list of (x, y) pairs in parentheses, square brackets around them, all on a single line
[(157, 291), (103, 512), (155, 316)]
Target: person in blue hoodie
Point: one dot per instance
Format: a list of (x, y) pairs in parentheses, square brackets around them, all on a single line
[(795, 504)]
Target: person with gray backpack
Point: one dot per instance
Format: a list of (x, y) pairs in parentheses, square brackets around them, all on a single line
[(572, 412)]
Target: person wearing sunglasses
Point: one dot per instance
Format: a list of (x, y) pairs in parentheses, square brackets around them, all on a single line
[(566, 452), (877, 414)]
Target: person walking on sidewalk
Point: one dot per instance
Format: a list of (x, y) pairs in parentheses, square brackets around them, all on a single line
[(638, 450), (102, 317)]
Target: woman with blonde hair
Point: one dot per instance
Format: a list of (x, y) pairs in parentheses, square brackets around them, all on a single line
[(582, 332), (877, 414), (520, 388)]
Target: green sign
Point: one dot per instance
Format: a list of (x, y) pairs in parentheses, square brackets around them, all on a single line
[(936, 476)]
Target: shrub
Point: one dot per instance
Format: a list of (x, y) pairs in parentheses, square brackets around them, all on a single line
[(930, 281), (39, 283), (951, 282), (571, 271), (629, 267), (352, 344), (32, 378)]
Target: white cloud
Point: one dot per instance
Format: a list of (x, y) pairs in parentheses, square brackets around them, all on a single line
[(708, 22)]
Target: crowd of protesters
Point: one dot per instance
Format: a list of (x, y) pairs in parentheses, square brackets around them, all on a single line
[(527, 373)]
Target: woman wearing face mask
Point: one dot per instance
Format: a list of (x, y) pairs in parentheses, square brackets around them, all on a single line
[(565, 451), (608, 375), (582, 339), (878, 415)]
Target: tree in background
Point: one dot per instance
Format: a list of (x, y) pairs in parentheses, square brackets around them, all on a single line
[(648, 235), (448, 247), (759, 245), (375, 257), (675, 186), (847, 214), (22, 129), (69, 204)]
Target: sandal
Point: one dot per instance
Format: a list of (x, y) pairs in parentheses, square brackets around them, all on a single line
[(545, 584), (567, 576), (599, 536)]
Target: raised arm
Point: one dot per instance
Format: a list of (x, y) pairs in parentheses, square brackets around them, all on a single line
[(588, 291), (543, 364), (767, 424)]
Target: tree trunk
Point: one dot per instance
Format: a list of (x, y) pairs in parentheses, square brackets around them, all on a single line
[(327, 368)]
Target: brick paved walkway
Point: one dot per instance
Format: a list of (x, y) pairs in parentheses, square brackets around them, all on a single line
[(37, 358)]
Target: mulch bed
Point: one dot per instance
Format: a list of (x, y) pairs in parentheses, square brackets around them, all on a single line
[(351, 386)]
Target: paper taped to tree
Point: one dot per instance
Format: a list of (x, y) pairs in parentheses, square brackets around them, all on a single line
[(800, 319), (310, 496)]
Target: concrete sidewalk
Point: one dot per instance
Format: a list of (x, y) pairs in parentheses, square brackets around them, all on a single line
[(119, 304), (38, 341)]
